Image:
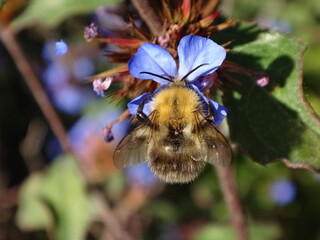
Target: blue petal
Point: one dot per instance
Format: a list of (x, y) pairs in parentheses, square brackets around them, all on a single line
[(204, 82), (219, 113), (134, 104), (154, 59), (60, 48), (194, 51)]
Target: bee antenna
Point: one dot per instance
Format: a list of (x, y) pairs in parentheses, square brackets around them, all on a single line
[(196, 68), (156, 75)]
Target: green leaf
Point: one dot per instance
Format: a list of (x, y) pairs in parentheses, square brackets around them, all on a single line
[(64, 192), (161, 209), (57, 200), (50, 13), (256, 232), (32, 212), (274, 122)]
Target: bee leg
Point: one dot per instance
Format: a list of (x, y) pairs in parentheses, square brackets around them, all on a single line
[(142, 117), (210, 116)]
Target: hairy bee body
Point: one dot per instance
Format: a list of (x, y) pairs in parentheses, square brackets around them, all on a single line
[(176, 139)]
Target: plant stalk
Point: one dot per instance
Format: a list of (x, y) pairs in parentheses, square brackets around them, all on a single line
[(7, 37), (149, 16), (231, 197)]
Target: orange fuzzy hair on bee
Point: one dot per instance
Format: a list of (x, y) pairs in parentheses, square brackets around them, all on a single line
[(175, 105)]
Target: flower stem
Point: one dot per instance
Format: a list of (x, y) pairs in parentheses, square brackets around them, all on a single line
[(7, 37), (111, 220), (231, 197), (149, 16)]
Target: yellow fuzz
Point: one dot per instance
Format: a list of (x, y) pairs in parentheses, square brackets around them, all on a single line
[(176, 105)]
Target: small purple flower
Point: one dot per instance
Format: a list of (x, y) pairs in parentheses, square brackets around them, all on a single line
[(283, 192), (91, 32), (60, 48), (107, 135), (262, 79), (100, 85), (163, 40), (193, 51)]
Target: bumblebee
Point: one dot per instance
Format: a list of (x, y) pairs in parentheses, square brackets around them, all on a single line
[(177, 138)]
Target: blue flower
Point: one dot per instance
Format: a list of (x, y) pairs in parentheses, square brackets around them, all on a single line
[(283, 192), (60, 48), (193, 51)]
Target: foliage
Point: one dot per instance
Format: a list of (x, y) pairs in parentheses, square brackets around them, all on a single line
[(257, 231), (276, 121), (56, 200), (51, 13)]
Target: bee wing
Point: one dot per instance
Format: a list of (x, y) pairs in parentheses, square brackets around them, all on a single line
[(214, 147), (132, 149), (218, 148)]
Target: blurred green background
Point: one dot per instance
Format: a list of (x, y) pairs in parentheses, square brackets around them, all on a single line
[(280, 203)]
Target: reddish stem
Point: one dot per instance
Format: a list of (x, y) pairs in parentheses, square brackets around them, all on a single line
[(149, 16), (8, 39), (7, 36), (230, 195)]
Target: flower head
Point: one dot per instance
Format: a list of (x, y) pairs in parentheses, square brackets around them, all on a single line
[(262, 79), (91, 32), (61, 48), (198, 57), (193, 51), (283, 192), (100, 85)]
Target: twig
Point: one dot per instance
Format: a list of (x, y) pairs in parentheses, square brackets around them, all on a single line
[(301, 165), (111, 220), (8, 39), (230, 194), (7, 36), (107, 133), (149, 16), (9, 197)]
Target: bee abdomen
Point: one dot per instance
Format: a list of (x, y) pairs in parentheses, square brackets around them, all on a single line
[(174, 168)]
